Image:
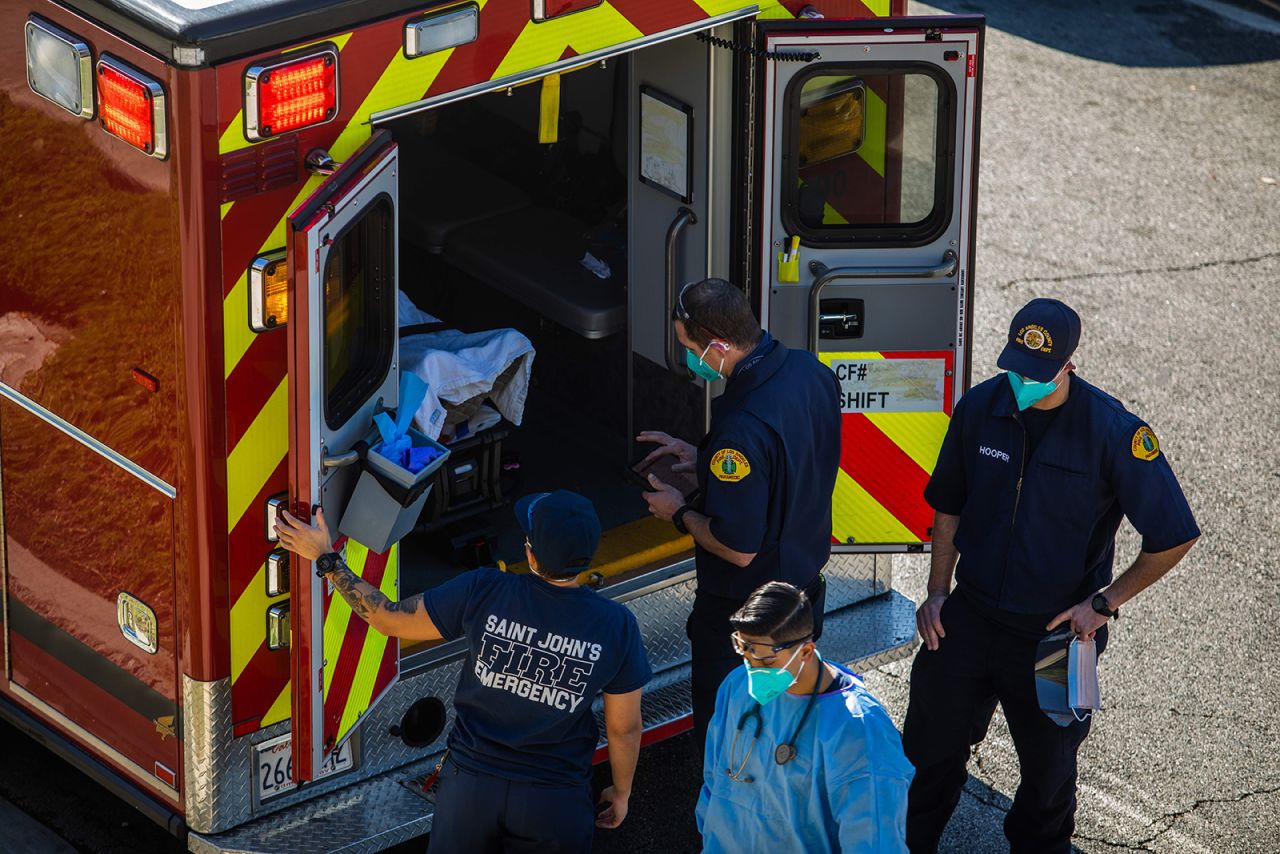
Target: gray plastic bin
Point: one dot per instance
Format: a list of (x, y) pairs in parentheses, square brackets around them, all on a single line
[(388, 499)]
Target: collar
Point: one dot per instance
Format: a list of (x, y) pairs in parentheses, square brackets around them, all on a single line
[(759, 365)]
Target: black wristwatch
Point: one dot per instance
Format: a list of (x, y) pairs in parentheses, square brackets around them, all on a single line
[(327, 563), (1102, 607), (677, 518)]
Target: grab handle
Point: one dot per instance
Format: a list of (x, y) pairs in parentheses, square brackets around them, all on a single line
[(675, 362)]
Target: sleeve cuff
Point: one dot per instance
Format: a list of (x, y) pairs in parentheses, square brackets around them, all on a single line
[(742, 546), (629, 687), (434, 614), (1155, 546)]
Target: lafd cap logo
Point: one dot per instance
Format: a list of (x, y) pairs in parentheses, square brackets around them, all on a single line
[(730, 466), (1035, 338)]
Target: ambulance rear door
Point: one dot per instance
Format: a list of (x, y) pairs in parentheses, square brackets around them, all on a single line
[(343, 354), (867, 155)]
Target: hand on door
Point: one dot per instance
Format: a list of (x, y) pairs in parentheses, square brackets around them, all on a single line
[(304, 540), (686, 455)]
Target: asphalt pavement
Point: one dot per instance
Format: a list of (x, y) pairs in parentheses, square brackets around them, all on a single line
[(1131, 167)]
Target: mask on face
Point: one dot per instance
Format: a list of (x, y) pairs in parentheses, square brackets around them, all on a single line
[(1030, 392), (699, 366), (768, 683)]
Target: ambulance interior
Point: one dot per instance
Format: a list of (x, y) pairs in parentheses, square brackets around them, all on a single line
[(522, 245)]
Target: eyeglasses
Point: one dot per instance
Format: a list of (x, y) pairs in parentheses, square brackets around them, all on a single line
[(762, 652), (680, 313)]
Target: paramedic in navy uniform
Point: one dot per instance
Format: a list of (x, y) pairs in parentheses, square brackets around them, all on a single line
[(766, 471), (540, 648), (1035, 473)]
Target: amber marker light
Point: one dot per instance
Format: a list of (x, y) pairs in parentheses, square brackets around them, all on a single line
[(268, 291), (291, 94)]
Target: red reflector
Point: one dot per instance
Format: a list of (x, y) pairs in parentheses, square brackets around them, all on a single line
[(297, 94), (127, 107), (145, 380)]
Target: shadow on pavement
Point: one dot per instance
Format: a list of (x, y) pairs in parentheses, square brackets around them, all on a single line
[(1153, 34)]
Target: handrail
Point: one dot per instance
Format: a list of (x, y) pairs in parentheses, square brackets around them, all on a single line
[(675, 363), (824, 275)]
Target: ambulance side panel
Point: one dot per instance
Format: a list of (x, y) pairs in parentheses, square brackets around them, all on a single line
[(94, 447)]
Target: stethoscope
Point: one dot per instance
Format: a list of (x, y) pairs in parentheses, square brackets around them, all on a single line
[(783, 753)]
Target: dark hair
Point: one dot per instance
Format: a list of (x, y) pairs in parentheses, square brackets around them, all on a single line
[(775, 610), (716, 309)]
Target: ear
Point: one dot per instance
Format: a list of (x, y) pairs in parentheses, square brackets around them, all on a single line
[(531, 558), (720, 344)]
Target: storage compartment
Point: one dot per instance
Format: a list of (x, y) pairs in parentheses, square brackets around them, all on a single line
[(389, 498)]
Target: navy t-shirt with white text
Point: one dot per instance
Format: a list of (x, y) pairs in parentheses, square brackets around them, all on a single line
[(538, 656)]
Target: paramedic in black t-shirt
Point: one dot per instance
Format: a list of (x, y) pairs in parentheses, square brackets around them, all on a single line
[(541, 647)]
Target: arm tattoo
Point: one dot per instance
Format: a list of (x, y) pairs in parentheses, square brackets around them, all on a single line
[(362, 596)]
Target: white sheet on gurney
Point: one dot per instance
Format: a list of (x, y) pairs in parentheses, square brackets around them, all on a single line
[(459, 366)]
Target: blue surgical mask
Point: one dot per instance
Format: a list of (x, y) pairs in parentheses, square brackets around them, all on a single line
[(765, 684), (699, 366), (1030, 392)]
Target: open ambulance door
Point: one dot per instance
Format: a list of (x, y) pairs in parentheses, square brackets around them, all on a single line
[(343, 352), (868, 155)]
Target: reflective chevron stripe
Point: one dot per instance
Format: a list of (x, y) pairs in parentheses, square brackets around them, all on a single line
[(355, 655), (885, 462)]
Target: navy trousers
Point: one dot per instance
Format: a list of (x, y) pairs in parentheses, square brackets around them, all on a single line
[(954, 691), (483, 814), (713, 654)]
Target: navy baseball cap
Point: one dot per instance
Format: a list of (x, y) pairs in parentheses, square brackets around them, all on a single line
[(1042, 337), (563, 530)]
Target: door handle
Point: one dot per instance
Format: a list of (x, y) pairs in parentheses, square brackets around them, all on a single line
[(340, 460), (675, 363), (824, 275)]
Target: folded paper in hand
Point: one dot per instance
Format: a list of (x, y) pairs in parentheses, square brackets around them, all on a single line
[(396, 445)]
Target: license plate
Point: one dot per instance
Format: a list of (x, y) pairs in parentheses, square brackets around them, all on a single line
[(274, 766)]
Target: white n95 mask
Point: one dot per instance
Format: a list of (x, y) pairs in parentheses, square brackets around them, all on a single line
[(1083, 691)]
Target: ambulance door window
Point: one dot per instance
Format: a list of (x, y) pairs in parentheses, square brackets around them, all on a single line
[(359, 311), (865, 154)]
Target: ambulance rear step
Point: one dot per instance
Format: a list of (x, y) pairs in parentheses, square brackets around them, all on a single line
[(390, 809)]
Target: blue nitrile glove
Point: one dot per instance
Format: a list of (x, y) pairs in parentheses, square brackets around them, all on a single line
[(421, 457), (396, 444)]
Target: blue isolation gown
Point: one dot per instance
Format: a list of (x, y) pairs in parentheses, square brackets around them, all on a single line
[(846, 789)]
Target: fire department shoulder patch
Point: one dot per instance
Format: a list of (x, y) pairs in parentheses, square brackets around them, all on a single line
[(1145, 445), (729, 465)]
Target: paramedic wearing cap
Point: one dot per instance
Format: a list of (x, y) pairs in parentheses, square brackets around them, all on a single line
[(800, 757), (766, 471), (1035, 473), (540, 648)]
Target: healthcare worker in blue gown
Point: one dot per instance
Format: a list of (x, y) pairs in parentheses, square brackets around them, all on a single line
[(800, 757)]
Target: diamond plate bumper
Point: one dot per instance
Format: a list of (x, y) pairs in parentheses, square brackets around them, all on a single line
[(383, 811)]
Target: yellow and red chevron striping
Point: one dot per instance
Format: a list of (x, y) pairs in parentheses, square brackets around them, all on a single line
[(375, 76), (885, 462), (351, 675)]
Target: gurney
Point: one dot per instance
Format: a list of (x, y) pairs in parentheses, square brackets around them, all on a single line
[(464, 372)]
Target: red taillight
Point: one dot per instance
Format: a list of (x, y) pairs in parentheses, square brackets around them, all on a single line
[(291, 95), (131, 107)]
